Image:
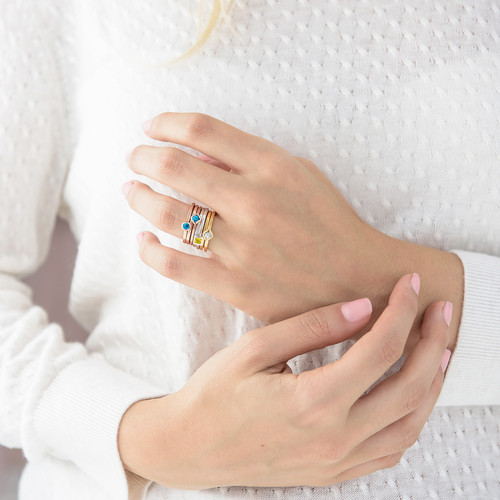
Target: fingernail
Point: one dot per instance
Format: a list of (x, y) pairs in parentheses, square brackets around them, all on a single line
[(415, 282), (445, 360), (126, 187), (146, 126), (447, 312), (357, 309), (139, 237)]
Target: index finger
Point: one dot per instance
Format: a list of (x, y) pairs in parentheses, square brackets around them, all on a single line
[(372, 355), (215, 138)]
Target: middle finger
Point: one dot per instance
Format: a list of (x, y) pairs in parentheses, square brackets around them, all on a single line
[(183, 172)]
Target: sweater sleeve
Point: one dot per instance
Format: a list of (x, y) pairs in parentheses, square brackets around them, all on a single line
[(473, 374), (58, 400)]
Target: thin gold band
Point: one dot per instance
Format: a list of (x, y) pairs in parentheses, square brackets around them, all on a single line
[(198, 232)]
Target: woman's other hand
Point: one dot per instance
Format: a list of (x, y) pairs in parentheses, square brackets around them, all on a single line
[(285, 240), (245, 419)]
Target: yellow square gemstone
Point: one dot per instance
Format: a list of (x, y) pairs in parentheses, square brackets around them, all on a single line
[(198, 240)]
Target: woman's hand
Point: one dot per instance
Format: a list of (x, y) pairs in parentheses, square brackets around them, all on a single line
[(285, 240), (245, 419)]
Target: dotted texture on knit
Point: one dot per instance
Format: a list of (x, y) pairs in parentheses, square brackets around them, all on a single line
[(36, 86)]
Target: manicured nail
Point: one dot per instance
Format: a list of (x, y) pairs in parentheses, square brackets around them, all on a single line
[(415, 282), (357, 309), (146, 126), (126, 187), (445, 360), (139, 237), (447, 312)]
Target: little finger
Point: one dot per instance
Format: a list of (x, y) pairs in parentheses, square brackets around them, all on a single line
[(399, 435), (404, 391), (369, 467), (205, 274)]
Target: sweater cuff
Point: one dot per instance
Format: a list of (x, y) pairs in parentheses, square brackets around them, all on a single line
[(472, 376), (78, 418)]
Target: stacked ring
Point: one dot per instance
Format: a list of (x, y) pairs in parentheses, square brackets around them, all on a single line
[(197, 229), (187, 225), (207, 230)]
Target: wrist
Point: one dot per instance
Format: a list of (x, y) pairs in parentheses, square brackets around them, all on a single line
[(441, 275), (138, 435)]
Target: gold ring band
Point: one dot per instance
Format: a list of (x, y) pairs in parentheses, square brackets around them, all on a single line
[(197, 229)]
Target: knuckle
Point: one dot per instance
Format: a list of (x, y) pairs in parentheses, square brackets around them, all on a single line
[(410, 435), (253, 346), (414, 395), (327, 451), (197, 125), (161, 120), (170, 162), (249, 204), (410, 303), (170, 266), (274, 162), (242, 257), (315, 324), (391, 349), (164, 216)]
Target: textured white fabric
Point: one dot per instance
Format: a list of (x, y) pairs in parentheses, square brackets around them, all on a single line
[(397, 104)]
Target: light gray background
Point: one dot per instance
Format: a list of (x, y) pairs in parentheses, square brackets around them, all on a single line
[(50, 285)]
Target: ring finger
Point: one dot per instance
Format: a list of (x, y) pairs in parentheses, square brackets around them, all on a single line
[(398, 436), (167, 213)]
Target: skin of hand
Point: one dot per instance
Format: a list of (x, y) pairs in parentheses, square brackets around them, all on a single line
[(285, 240), (244, 418)]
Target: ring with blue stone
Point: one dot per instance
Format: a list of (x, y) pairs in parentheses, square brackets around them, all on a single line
[(197, 228), (187, 226), (195, 218)]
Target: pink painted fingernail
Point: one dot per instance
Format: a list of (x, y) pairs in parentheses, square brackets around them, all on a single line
[(357, 309), (445, 360), (415, 282), (139, 237), (146, 126), (447, 312), (126, 187)]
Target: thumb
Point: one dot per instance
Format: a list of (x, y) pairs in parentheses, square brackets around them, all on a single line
[(279, 342)]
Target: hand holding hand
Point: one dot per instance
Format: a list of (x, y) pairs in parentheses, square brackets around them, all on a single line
[(245, 419)]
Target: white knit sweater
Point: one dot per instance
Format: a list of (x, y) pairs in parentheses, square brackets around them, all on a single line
[(398, 104)]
